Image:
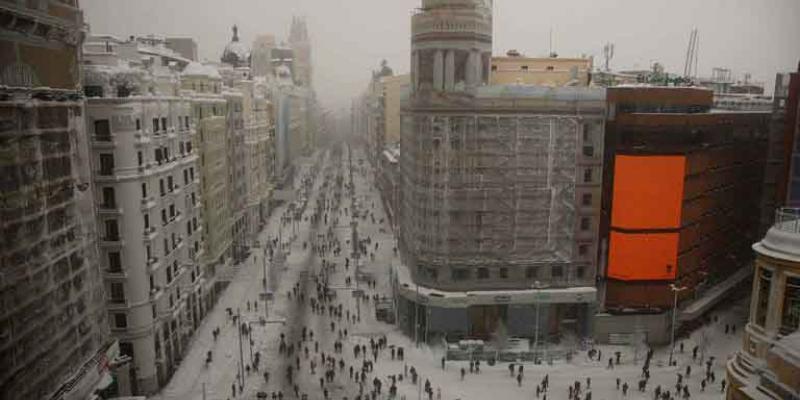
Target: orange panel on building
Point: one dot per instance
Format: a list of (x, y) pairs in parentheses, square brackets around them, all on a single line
[(648, 192), (639, 256)]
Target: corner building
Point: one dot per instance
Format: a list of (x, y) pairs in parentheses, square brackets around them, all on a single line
[(768, 366), (501, 190), (147, 194)]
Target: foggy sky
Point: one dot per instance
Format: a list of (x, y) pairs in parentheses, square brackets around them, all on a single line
[(350, 37)]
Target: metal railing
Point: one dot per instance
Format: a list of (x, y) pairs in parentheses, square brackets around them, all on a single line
[(788, 220)]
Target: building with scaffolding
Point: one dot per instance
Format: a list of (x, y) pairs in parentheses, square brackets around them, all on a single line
[(147, 193), (54, 339), (501, 190)]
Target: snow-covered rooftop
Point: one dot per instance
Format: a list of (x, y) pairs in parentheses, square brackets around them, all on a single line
[(197, 69)]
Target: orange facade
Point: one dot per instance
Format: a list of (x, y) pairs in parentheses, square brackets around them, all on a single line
[(648, 199), (643, 256), (648, 192)]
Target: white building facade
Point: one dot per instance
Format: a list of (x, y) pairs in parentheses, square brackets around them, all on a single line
[(147, 191)]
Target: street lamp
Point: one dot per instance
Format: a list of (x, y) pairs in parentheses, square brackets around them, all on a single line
[(675, 289)]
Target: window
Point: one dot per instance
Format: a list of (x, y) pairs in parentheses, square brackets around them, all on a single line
[(194, 199), (194, 223), (188, 228), (117, 292), (494, 68), (762, 301), (148, 252), (158, 156), (550, 68), (587, 175), (531, 273), (504, 273), (185, 177), (138, 124), (166, 247), (189, 147), (120, 321), (161, 187), (164, 123), (147, 221), (169, 276), (524, 67), (181, 148), (114, 262), (170, 184), (586, 133), (140, 158), (144, 190), (586, 199), (112, 230), (102, 130), (583, 250), (163, 216), (459, 274), (191, 173), (585, 224), (580, 272), (109, 198), (172, 210), (588, 151), (557, 271), (483, 273), (790, 318), (155, 125), (93, 91), (106, 164)]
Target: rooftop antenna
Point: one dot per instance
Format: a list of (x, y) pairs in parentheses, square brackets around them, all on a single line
[(690, 66), (552, 53)]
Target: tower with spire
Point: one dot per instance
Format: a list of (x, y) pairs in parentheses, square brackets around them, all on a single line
[(300, 43)]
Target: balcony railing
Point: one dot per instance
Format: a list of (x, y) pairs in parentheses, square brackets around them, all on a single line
[(788, 220)]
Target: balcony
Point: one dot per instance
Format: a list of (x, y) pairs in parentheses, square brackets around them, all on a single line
[(115, 274), (150, 233), (111, 241), (109, 209), (103, 142), (153, 264), (117, 304), (148, 203), (155, 293)]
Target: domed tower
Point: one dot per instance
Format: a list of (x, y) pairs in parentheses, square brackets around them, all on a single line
[(236, 53), (451, 46)]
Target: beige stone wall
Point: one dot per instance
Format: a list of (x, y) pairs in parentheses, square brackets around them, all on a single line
[(540, 71), (393, 87)]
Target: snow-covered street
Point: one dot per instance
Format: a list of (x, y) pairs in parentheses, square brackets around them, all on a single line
[(320, 334)]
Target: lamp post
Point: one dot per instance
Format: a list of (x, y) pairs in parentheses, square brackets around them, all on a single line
[(675, 290)]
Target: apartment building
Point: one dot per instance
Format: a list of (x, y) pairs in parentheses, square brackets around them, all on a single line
[(203, 84), (147, 194)]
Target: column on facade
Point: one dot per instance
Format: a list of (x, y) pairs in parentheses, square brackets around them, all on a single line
[(415, 69), (472, 68), (450, 71), (438, 71)]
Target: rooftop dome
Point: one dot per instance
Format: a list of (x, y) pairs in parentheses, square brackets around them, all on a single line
[(236, 53)]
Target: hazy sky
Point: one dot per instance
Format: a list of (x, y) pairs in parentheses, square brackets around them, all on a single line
[(350, 37)]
